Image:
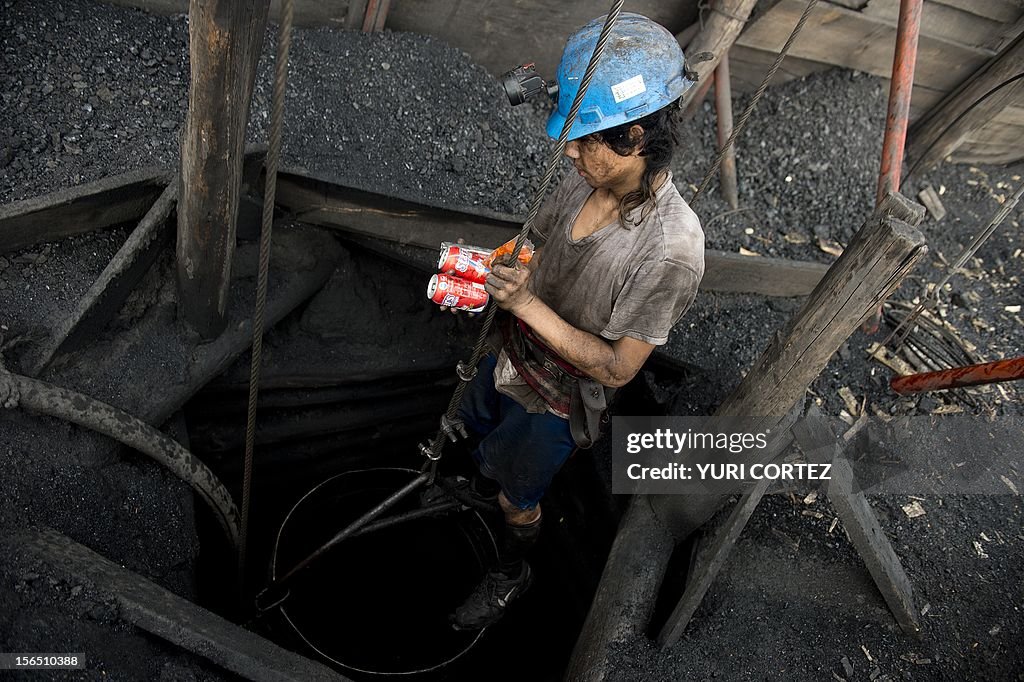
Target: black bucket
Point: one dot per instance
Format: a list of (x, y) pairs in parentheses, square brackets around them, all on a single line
[(378, 604)]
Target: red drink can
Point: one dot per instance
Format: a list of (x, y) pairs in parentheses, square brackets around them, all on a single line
[(464, 261), (458, 293)]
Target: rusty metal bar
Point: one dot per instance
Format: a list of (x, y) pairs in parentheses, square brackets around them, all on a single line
[(900, 88), (723, 108), (370, 16), (382, 15), (375, 16), (960, 377)]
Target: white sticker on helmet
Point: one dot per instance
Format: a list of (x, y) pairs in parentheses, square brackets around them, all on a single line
[(628, 88)]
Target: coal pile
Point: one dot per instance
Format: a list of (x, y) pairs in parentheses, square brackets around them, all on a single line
[(88, 90), (397, 113)]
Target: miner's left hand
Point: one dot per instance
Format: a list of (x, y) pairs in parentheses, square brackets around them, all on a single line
[(509, 288)]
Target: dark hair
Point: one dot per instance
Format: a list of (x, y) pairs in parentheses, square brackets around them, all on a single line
[(658, 142)]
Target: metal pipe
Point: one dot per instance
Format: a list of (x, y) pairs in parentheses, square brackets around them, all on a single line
[(376, 15), (900, 89), (959, 377), (723, 108), (350, 530), (382, 15), (399, 519)]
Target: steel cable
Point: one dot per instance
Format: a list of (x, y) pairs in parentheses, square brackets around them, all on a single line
[(269, 190), (742, 122)]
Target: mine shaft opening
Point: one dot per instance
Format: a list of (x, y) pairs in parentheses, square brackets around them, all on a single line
[(377, 605)]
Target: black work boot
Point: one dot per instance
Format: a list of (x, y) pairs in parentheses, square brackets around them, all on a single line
[(487, 603), (502, 585)]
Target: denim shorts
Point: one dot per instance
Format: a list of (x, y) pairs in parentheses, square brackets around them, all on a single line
[(520, 450)]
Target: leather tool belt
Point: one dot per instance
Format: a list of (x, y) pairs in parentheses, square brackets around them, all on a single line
[(569, 390)]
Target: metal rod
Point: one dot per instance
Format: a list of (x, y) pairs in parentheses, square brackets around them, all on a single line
[(399, 519), (723, 108), (900, 90), (959, 377), (351, 530), (382, 16), (896, 120)]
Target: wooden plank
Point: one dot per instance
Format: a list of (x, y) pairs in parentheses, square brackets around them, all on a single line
[(722, 26), (711, 558), (819, 444), (944, 22), (997, 10), (402, 222), (225, 41), (710, 562), (301, 261), (966, 109), (842, 37), (625, 597), (500, 35), (160, 612), (731, 272), (749, 66), (1000, 141), (877, 259), (111, 201), (108, 293)]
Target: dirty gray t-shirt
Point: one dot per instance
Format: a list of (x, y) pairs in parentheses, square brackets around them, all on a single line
[(617, 282)]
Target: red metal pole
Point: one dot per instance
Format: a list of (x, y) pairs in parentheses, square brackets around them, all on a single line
[(370, 17), (900, 89), (959, 377), (898, 116)]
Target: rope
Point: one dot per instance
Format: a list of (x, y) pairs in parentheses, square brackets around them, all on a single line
[(270, 188), (741, 124), (434, 449), (967, 253)]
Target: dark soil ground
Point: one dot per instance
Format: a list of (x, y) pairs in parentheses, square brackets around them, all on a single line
[(90, 90)]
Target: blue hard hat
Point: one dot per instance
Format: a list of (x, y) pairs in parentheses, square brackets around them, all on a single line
[(640, 71)]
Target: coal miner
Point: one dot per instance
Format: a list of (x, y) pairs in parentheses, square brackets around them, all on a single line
[(620, 259)]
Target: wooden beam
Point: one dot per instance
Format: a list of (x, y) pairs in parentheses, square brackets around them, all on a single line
[(710, 560), (843, 37), (1004, 11), (225, 41), (301, 261), (629, 586), (880, 255), (734, 273), (818, 443), (721, 28), (967, 109), (371, 215), (107, 294), (945, 22), (160, 612), (111, 201)]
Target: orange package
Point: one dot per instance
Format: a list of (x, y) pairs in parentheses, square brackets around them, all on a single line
[(525, 253)]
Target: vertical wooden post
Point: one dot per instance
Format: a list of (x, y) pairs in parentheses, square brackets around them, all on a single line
[(723, 108), (880, 255), (225, 40)]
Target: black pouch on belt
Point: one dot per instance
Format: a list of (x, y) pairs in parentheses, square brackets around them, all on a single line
[(587, 411)]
